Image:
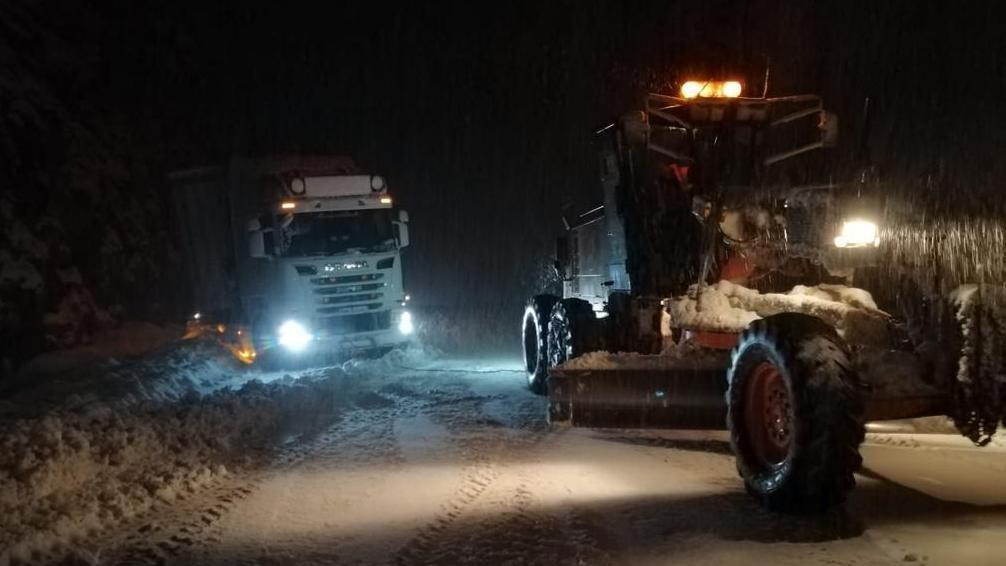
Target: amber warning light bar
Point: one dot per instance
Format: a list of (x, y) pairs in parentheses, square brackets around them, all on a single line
[(711, 89)]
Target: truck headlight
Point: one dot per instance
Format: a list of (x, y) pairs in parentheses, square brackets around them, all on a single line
[(857, 234), (293, 336), (405, 323)]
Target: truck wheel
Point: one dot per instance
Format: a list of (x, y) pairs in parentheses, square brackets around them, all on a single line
[(795, 413), (534, 336), (569, 330)]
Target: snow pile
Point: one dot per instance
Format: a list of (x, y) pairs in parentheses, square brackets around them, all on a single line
[(710, 309), (177, 371), (728, 307), (858, 298)]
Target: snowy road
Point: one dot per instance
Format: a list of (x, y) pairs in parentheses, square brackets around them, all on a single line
[(451, 462)]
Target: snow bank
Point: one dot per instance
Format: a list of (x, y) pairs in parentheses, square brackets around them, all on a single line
[(128, 340), (73, 472), (83, 451), (180, 370), (727, 307)]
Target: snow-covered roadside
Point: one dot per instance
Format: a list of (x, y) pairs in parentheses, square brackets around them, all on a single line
[(100, 449), (128, 340)]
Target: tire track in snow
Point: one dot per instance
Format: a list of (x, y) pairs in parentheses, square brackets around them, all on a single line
[(477, 480), (172, 531), (172, 528), (516, 528), (362, 436), (495, 518)]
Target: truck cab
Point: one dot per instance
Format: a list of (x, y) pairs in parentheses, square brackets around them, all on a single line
[(314, 261)]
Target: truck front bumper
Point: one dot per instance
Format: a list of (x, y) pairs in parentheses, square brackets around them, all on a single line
[(360, 342), (301, 339)]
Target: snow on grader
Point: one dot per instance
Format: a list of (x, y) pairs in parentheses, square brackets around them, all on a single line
[(726, 279)]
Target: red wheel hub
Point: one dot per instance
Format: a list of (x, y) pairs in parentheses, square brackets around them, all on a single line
[(768, 415)]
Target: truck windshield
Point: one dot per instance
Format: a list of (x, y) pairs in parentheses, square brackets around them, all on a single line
[(333, 232)]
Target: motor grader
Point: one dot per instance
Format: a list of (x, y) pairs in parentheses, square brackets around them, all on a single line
[(726, 278)]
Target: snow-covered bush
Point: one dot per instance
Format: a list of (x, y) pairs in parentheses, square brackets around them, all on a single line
[(81, 222)]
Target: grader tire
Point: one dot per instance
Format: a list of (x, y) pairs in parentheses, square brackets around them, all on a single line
[(976, 342), (795, 414), (571, 330), (534, 337)]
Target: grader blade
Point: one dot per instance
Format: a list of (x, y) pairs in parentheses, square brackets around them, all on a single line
[(678, 398), (682, 398)]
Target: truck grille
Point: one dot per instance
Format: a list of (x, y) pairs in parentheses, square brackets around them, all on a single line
[(348, 294), (348, 289), (362, 322), (349, 309), (338, 300), (341, 279)]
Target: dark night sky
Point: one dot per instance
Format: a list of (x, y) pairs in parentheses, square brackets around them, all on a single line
[(481, 114)]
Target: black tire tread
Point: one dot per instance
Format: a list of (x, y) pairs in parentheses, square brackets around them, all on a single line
[(828, 406), (573, 318), (542, 305)]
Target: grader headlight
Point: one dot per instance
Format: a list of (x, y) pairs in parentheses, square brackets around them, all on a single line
[(711, 89), (858, 234)]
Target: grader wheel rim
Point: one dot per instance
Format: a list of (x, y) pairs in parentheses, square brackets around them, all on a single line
[(768, 416)]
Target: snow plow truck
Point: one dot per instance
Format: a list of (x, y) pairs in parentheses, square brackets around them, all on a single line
[(293, 257), (726, 280)]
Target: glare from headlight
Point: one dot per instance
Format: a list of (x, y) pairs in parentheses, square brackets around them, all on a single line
[(293, 336), (857, 234), (405, 323)]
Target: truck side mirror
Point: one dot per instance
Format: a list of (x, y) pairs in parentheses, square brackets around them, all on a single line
[(256, 244), (402, 230), (403, 216), (828, 125)]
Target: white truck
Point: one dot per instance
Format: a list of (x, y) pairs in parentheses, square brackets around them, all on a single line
[(293, 256)]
